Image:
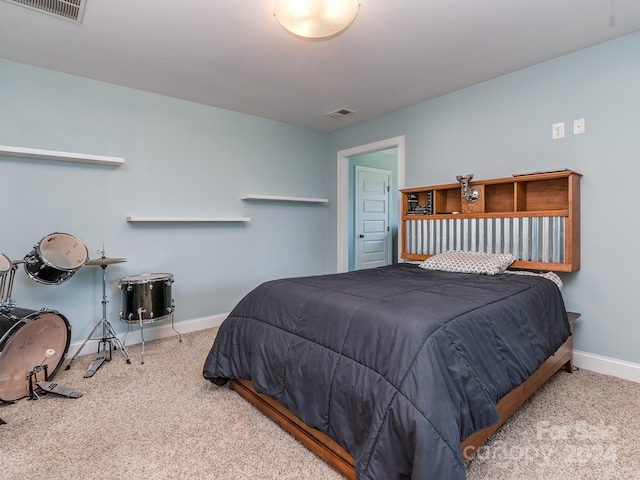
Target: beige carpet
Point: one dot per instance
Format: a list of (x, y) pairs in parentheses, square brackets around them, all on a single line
[(162, 420)]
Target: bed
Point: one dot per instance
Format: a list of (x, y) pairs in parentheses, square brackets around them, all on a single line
[(396, 364), (401, 371)]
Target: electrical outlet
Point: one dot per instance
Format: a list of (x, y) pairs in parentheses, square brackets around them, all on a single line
[(557, 130), (578, 126)]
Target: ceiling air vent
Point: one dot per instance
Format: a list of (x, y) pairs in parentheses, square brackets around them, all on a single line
[(341, 112), (72, 10)]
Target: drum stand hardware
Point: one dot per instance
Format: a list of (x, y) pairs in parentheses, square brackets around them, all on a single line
[(140, 312), (7, 301), (52, 387), (34, 374), (109, 340), (141, 321), (47, 386)]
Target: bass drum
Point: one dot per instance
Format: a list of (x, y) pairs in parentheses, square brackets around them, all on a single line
[(28, 339)]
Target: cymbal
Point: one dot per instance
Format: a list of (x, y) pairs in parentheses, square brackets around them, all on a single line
[(105, 261)]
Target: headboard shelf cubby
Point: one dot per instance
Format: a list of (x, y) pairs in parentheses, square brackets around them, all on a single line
[(535, 217)]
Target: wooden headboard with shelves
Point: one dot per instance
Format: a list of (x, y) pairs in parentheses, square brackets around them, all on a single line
[(534, 217)]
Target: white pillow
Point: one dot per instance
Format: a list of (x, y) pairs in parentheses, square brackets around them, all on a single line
[(469, 262)]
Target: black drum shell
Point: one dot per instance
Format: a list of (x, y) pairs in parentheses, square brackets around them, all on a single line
[(41, 272), (150, 293), (55, 258)]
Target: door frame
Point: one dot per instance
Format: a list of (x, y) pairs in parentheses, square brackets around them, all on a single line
[(342, 196)]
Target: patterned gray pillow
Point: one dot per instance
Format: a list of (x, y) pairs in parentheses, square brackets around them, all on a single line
[(469, 262)]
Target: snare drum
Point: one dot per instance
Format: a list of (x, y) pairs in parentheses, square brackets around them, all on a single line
[(146, 297), (55, 258), (29, 339)]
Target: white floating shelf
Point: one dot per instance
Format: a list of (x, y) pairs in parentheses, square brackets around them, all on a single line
[(188, 219), (279, 198), (34, 153)]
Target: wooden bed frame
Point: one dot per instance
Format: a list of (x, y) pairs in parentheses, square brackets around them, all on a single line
[(550, 200), (342, 461)]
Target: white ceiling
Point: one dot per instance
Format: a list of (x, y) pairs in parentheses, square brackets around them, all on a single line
[(233, 54)]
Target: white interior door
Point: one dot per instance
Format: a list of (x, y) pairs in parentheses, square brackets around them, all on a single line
[(372, 232)]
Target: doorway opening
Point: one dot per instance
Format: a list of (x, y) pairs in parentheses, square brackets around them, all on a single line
[(393, 149)]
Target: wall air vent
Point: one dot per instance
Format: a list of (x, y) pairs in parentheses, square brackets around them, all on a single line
[(72, 10), (341, 112)]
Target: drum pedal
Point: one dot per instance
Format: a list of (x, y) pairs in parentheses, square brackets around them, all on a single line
[(52, 387), (95, 364)]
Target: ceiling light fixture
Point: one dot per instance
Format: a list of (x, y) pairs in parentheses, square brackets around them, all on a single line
[(316, 19)]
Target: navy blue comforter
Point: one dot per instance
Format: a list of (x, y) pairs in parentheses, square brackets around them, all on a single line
[(396, 364)]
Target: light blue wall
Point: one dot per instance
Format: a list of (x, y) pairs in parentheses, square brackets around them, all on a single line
[(181, 159), (503, 126), (188, 159)]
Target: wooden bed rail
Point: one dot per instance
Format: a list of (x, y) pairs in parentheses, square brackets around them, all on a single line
[(316, 441)]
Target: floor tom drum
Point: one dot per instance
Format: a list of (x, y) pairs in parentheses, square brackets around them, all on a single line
[(146, 297)]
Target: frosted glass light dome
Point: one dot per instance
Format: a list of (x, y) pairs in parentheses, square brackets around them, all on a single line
[(316, 18)]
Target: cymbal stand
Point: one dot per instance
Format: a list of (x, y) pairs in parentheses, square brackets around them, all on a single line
[(109, 338)]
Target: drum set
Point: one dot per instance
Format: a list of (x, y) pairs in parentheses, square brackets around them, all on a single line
[(34, 343)]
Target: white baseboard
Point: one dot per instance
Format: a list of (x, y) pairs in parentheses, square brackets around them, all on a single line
[(607, 365), (151, 332)]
